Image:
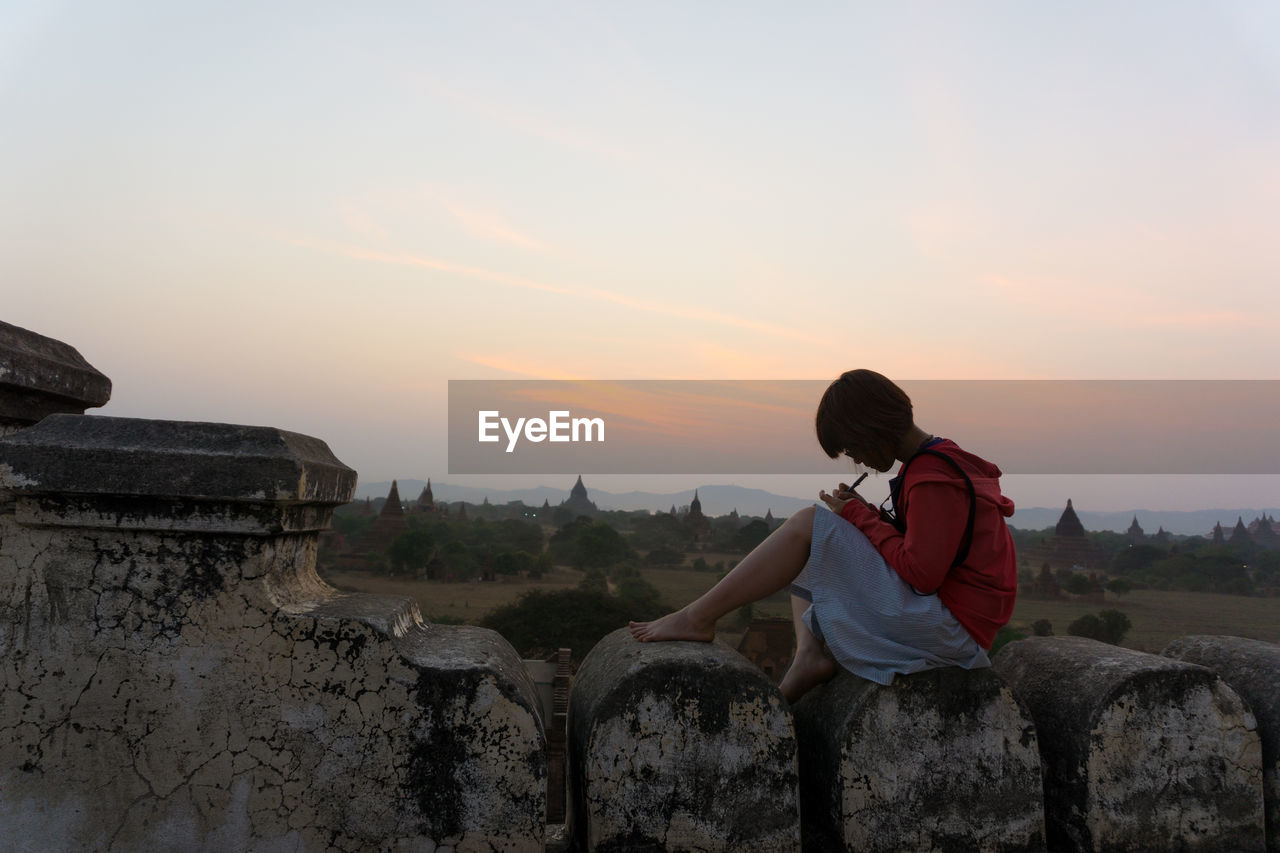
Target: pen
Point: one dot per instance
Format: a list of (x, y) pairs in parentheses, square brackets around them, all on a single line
[(857, 482)]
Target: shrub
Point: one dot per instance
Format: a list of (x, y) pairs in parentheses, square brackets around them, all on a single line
[(1119, 586), (1109, 626), (1005, 636), (542, 621)]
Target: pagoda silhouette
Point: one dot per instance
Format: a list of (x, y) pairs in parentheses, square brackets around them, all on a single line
[(578, 501), (1069, 546)]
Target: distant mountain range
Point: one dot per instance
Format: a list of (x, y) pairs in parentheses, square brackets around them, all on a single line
[(720, 500)]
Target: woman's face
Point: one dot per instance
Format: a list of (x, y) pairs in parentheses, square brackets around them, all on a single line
[(876, 458)]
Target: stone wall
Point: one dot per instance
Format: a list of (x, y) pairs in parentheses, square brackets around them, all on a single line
[(1252, 669), (174, 675), (1140, 752)]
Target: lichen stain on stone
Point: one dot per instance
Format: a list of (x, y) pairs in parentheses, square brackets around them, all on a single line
[(11, 479), (475, 752), (1160, 768), (872, 756), (659, 775)]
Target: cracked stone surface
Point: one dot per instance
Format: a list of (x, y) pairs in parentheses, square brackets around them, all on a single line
[(176, 676), (940, 760), (679, 746), (1252, 669), (1141, 752)]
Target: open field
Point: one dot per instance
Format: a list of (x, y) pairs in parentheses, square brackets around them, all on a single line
[(469, 601), (1157, 617)]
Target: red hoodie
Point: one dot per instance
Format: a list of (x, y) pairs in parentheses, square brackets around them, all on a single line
[(981, 590)]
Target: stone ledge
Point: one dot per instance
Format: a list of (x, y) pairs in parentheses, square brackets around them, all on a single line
[(1252, 669), (40, 376), (1138, 750), (78, 471), (679, 746), (939, 760)]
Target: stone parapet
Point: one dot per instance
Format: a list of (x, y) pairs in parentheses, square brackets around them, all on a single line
[(40, 376), (940, 760), (174, 675), (1252, 669), (1140, 752), (118, 473), (679, 746)]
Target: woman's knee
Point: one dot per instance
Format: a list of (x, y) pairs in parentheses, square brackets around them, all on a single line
[(800, 524), (804, 517)]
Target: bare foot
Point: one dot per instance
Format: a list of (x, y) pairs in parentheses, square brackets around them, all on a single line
[(674, 626), (809, 669)]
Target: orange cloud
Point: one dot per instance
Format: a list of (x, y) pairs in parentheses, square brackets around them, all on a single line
[(517, 365)]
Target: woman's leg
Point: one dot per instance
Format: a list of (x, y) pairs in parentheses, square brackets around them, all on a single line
[(811, 666), (773, 564)]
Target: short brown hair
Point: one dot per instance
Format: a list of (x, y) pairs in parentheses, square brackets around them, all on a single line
[(862, 409)]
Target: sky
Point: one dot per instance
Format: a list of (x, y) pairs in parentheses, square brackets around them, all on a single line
[(314, 215)]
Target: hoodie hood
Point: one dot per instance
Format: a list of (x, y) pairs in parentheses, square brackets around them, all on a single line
[(985, 475)]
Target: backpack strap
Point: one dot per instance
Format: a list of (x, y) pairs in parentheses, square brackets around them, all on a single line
[(900, 515)]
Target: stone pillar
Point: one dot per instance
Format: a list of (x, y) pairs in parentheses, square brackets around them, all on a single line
[(679, 746), (174, 675), (939, 760), (40, 376), (1252, 669), (1141, 752)]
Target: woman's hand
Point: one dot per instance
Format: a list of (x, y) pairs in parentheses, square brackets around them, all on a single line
[(843, 494), (836, 504)]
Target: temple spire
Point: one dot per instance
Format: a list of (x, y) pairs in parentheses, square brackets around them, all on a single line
[(392, 506), (578, 500), (1069, 525)]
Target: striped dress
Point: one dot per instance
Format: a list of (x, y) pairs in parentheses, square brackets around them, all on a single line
[(873, 622)]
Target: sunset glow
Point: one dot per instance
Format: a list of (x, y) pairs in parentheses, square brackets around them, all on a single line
[(315, 217)]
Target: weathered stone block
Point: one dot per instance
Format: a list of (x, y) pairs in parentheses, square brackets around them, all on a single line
[(72, 470), (1252, 669), (175, 676), (1140, 752), (40, 376), (679, 746), (940, 760)]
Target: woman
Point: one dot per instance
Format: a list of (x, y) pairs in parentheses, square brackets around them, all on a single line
[(924, 585)]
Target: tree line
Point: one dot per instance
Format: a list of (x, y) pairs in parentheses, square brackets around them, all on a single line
[(491, 542), (1190, 564)]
